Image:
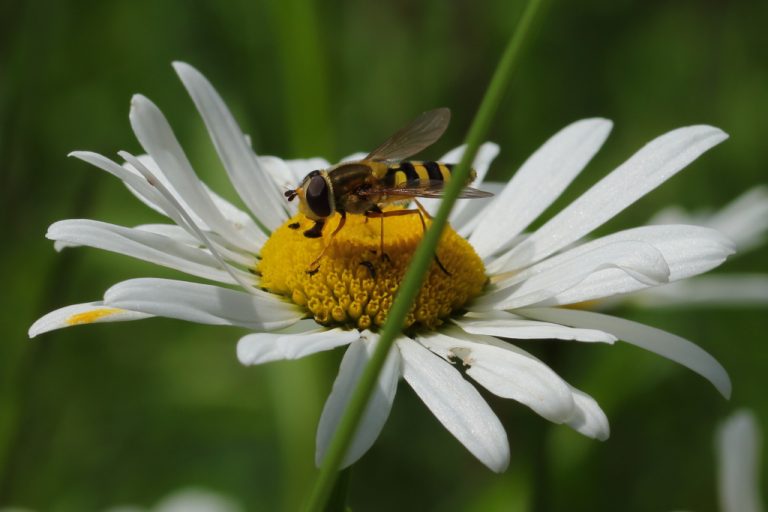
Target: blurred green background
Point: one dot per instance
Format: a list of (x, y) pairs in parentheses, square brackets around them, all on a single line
[(126, 413)]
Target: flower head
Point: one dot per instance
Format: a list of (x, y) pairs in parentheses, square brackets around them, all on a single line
[(499, 283)]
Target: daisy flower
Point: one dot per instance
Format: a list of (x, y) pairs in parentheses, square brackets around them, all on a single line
[(502, 283)]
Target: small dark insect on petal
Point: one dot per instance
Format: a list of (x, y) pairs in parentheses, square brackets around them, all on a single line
[(313, 271)]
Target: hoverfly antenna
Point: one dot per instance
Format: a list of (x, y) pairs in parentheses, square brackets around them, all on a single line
[(290, 194)]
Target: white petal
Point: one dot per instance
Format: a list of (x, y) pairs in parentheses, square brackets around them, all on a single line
[(745, 219), (135, 182), (211, 240), (654, 340), (257, 190), (376, 412), (287, 174), (540, 181), (466, 221), (172, 231), (456, 404), (589, 419), (182, 236), (506, 371), (139, 244), (249, 236), (739, 445), (81, 314), (202, 303), (722, 290), (354, 157), (486, 153), (191, 499), (687, 250), (157, 139), (640, 261), (265, 347), (508, 325), (655, 163)]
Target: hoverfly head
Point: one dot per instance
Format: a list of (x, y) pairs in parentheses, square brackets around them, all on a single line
[(317, 195)]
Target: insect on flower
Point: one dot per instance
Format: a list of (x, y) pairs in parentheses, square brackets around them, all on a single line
[(383, 177)]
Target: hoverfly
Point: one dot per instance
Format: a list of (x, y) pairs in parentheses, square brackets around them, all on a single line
[(382, 177)]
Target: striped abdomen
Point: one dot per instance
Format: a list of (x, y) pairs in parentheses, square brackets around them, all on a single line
[(400, 173)]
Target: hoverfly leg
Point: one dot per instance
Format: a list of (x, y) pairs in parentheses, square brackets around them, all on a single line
[(422, 209), (375, 211), (396, 213), (315, 231), (315, 265)]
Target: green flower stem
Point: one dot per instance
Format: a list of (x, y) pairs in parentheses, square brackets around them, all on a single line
[(421, 260)]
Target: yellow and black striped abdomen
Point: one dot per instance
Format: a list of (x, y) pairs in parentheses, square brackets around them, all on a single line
[(411, 172)]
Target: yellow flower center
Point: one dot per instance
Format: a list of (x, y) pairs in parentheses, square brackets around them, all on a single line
[(353, 284)]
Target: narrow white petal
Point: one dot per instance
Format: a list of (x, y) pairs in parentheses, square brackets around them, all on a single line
[(486, 153), (157, 139), (258, 191), (540, 181), (81, 314), (182, 236), (376, 412), (722, 290), (456, 404), (640, 261), (739, 445), (654, 340), (354, 157), (202, 303), (135, 182), (265, 347), (287, 174), (506, 371), (509, 325), (172, 231), (211, 240), (745, 219), (589, 419), (466, 221), (655, 163), (687, 250), (143, 245), (249, 236)]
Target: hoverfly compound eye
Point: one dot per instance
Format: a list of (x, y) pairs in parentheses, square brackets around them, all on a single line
[(317, 195)]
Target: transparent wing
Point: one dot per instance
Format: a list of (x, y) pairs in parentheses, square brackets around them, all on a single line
[(418, 135), (423, 188)]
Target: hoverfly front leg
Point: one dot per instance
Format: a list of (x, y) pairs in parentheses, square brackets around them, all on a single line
[(314, 266), (396, 213), (315, 231)]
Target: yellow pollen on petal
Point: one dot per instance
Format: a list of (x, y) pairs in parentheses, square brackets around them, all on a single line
[(354, 285), (91, 316)]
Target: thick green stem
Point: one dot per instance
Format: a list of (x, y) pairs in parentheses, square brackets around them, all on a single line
[(419, 265)]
